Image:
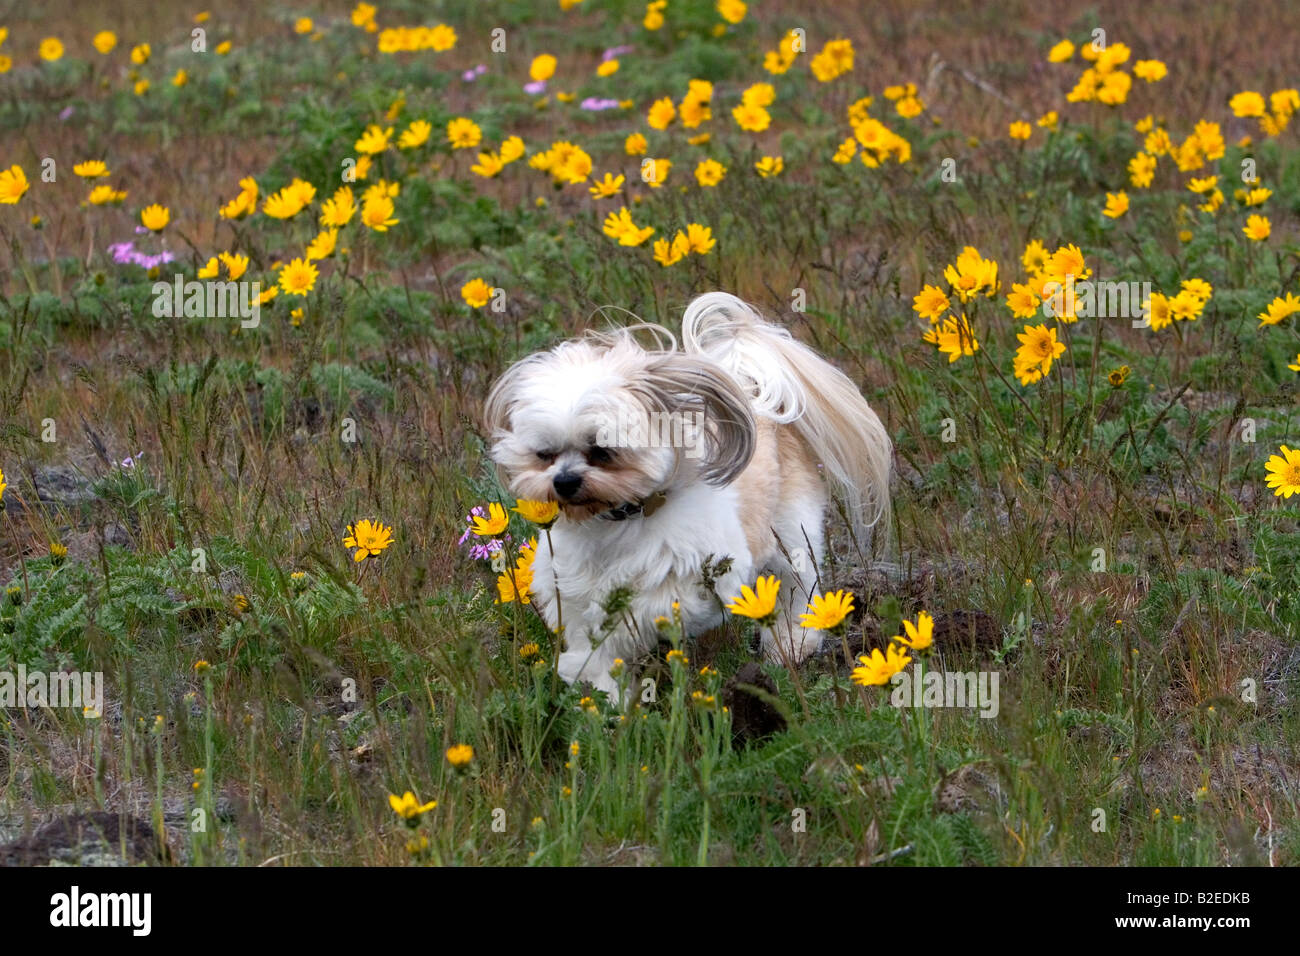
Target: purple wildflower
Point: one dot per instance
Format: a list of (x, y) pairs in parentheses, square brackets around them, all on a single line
[(535, 87), (596, 105), (481, 549), (613, 52)]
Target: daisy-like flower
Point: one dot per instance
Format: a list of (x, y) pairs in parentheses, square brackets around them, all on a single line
[(235, 264), (954, 338), (709, 172), (51, 49), (700, 238), (1061, 52), (91, 169), (1284, 472), (619, 225), (1035, 257), (155, 217), (1141, 170), (694, 112), (463, 133), (1116, 205), (284, 204), (828, 611), (834, 60), (1022, 301), (877, 669), (1158, 311), (339, 209), (13, 183), (930, 303), (769, 166), (662, 113), (245, 203), (460, 755), (374, 140), (654, 172), (1020, 130), (604, 188), (493, 524), (669, 253), (1038, 349), (104, 195), (511, 149), (408, 807), (733, 11), (298, 278), (476, 294), (1257, 228), (322, 247), (302, 191), (1280, 309), (417, 134), (140, 54), (635, 145), (515, 585), (540, 513), (1189, 302), (972, 275), (758, 602), (920, 635), (542, 68), (368, 538), (1247, 104), (377, 212), (3, 485), (1150, 70), (104, 41), (1068, 261), (211, 270), (488, 165), (751, 118)]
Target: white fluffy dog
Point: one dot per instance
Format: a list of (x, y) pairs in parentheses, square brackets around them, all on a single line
[(666, 460)]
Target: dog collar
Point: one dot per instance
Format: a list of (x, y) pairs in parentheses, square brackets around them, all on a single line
[(646, 506)]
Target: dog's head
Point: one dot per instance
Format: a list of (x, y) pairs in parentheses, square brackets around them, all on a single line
[(602, 421)]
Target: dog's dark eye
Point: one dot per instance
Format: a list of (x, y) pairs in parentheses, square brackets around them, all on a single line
[(547, 456), (599, 455)]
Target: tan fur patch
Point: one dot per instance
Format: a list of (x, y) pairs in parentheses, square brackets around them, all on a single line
[(782, 469)]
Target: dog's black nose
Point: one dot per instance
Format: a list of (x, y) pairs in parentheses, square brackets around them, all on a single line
[(566, 484)]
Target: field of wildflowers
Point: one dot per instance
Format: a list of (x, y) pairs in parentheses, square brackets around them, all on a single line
[(260, 263)]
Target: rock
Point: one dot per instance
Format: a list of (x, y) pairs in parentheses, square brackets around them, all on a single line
[(752, 717), (88, 839), (118, 535), (972, 787), (63, 485)]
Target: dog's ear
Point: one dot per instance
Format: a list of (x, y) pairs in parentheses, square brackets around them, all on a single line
[(504, 396), (684, 385)]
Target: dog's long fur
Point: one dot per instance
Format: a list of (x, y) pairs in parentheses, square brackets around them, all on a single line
[(780, 425)]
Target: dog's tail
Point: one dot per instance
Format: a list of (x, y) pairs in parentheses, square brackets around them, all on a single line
[(790, 383)]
